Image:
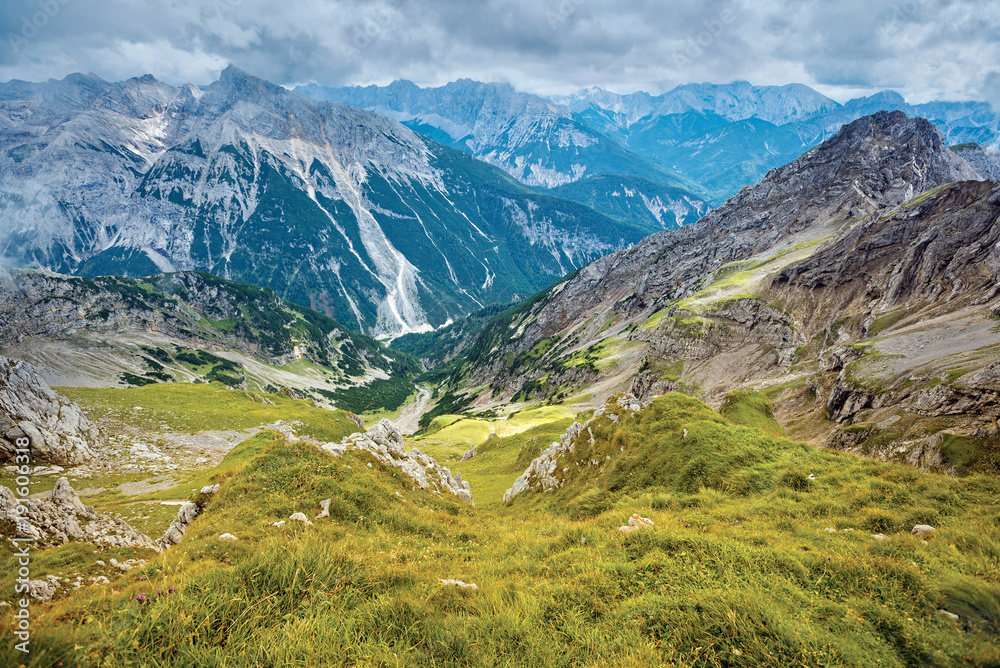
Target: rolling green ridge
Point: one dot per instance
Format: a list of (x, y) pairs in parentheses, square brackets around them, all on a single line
[(762, 552)]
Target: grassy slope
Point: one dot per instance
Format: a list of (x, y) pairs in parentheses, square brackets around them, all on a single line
[(737, 571), (190, 408), (181, 409), (504, 448)]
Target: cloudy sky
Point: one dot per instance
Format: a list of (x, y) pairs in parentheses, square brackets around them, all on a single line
[(925, 49)]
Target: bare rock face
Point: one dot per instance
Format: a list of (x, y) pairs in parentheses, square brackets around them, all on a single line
[(385, 442), (63, 518), (55, 427), (986, 161), (185, 515)]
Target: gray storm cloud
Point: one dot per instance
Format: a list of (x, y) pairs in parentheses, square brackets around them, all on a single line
[(925, 49)]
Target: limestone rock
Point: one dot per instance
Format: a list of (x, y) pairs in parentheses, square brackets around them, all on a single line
[(356, 419), (540, 474), (923, 531), (62, 518), (628, 402), (385, 442), (43, 590), (636, 522), (950, 615), (175, 532), (228, 536), (56, 428), (299, 517)]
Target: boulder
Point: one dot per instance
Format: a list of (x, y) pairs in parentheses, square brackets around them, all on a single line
[(43, 590), (636, 522), (923, 531), (324, 506), (175, 532), (56, 428)]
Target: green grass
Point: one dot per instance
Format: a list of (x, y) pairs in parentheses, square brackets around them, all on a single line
[(738, 570), (751, 409), (887, 321), (505, 446), (195, 407)]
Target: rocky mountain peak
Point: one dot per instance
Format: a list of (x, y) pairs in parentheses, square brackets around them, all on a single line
[(878, 161)]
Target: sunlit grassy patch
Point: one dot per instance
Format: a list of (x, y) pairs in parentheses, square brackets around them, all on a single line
[(190, 408)]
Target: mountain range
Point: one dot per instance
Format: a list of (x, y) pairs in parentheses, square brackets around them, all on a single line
[(720, 137), (333, 207), (649, 459), (857, 286)]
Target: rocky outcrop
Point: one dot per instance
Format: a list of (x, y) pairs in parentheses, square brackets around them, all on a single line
[(185, 515), (55, 428), (847, 399), (977, 390), (385, 442), (62, 518), (542, 473)]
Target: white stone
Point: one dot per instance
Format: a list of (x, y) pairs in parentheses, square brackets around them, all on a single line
[(324, 508), (458, 583)]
